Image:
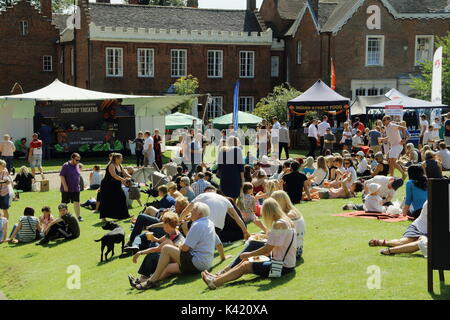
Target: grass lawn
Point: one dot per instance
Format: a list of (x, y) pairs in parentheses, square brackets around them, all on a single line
[(335, 262)]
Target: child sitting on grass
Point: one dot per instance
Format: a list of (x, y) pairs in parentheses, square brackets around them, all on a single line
[(373, 202), (46, 218), (247, 205)]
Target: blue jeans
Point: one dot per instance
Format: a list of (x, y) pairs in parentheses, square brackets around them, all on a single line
[(142, 221), (9, 162), (249, 246)]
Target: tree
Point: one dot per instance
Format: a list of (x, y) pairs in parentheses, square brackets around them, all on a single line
[(275, 104), (58, 6), (186, 86), (423, 84)]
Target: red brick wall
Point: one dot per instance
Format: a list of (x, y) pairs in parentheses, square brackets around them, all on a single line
[(21, 56), (258, 87), (269, 13), (349, 46)]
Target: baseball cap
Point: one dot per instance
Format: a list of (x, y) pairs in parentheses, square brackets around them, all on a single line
[(62, 206), (374, 187), (398, 182), (360, 153)]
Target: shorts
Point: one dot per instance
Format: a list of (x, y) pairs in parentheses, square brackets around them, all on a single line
[(36, 162), (68, 197), (4, 202), (186, 265), (413, 232), (262, 269), (395, 151)]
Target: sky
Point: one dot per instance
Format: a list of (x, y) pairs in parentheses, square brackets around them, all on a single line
[(219, 4)]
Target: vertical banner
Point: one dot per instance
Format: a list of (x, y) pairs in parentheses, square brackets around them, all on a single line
[(333, 75), (236, 106), (436, 85)]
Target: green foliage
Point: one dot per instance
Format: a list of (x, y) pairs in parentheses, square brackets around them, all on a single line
[(309, 115), (423, 83), (275, 104), (186, 86)]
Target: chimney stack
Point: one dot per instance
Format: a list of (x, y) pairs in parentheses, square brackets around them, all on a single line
[(315, 6), (192, 3), (46, 8), (251, 5)]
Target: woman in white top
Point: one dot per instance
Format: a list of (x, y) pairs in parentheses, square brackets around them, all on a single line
[(280, 245), (414, 239), (297, 218), (7, 149), (347, 137)]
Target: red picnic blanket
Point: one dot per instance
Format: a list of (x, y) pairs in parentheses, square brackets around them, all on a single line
[(372, 215)]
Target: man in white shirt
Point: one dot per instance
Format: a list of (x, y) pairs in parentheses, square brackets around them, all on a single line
[(275, 138), (313, 137), (149, 152), (396, 145), (322, 130), (357, 141), (363, 167), (436, 127), (423, 126), (444, 156), (284, 141)]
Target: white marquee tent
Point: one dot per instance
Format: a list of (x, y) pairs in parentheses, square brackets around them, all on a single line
[(17, 111)]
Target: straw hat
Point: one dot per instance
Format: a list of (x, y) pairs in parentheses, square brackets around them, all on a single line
[(374, 187)]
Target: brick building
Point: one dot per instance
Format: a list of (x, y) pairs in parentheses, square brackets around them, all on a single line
[(375, 44), (29, 46), (141, 49)]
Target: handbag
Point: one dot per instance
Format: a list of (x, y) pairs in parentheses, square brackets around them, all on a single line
[(277, 265)]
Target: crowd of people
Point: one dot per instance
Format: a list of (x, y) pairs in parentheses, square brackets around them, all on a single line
[(206, 205)]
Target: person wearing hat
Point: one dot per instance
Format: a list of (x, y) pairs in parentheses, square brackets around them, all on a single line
[(35, 155), (447, 129), (373, 202), (66, 227), (388, 187), (363, 169)]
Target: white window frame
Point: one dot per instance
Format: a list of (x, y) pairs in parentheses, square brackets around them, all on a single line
[(381, 62), (47, 63), (247, 104), (379, 84), (215, 107), (299, 52), (274, 72), (23, 27), (215, 65), (117, 52), (181, 68), (145, 58), (416, 62), (246, 64)]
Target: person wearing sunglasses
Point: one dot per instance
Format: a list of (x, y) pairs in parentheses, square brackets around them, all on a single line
[(70, 183)]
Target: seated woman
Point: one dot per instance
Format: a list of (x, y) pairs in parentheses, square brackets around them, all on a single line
[(171, 236), (46, 218), (363, 168), (432, 167), (95, 178), (186, 189), (382, 169), (173, 191), (321, 174), (308, 166), (410, 157), (280, 244), (259, 180), (25, 230), (348, 189), (269, 187), (24, 180), (416, 191), (331, 168), (414, 239)]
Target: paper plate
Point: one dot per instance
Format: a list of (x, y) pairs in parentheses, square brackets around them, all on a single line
[(259, 259)]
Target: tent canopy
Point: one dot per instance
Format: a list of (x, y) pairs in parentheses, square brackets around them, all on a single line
[(319, 95), (180, 120), (407, 103), (58, 91), (359, 105), (243, 119)]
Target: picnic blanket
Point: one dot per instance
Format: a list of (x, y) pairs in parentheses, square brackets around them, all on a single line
[(372, 215)]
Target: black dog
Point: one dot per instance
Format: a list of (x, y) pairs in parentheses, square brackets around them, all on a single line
[(117, 235)]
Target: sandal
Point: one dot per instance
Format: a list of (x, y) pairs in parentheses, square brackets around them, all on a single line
[(387, 252), (147, 285), (209, 281), (376, 243), (132, 281)]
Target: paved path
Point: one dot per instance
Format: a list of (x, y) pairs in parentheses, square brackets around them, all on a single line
[(55, 181), (2, 296)]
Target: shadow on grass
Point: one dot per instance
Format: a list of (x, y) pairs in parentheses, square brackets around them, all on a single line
[(166, 283), (111, 259), (444, 291)]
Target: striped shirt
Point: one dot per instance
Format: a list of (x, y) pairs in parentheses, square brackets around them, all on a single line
[(28, 231), (199, 186)]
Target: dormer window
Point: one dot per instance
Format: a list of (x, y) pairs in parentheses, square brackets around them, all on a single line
[(23, 28)]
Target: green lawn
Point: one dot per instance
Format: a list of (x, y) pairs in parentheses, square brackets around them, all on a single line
[(335, 262)]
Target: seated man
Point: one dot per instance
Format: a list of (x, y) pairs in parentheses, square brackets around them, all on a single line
[(443, 155), (200, 184), (357, 141), (192, 257), (66, 226)]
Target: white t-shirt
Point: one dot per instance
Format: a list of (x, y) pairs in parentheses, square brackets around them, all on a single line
[(437, 127), (373, 204), (357, 141), (421, 222), (312, 131), (445, 157), (320, 175), (428, 138), (383, 181), (393, 134), (218, 207), (147, 142), (322, 128), (423, 123), (362, 166), (353, 172)]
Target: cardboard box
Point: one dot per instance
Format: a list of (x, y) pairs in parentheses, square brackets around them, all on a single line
[(45, 186)]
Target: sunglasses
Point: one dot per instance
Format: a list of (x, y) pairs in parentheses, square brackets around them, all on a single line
[(77, 160)]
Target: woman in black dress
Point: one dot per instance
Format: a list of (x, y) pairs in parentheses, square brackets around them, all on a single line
[(113, 202), (157, 140), (231, 168)]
